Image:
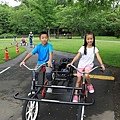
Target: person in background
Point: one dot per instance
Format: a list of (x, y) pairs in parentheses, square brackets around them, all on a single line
[(14, 40), (23, 41), (31, 39)]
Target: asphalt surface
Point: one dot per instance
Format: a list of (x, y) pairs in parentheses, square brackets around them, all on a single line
[(17, 79)]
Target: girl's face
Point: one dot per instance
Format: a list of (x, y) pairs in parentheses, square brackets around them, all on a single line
[(89, 39), (44, 39)]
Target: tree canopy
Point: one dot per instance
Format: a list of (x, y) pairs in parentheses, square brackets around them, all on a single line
[(99, 16)]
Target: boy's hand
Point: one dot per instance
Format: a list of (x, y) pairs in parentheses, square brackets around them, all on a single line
[(49, 63), (22, 63)]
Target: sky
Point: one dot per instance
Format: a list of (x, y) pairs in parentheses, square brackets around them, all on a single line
[(11, 2)]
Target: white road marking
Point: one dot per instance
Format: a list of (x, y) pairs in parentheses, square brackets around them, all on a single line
[(4, 70)]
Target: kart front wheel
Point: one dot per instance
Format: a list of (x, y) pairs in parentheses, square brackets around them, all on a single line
[(30, 110)]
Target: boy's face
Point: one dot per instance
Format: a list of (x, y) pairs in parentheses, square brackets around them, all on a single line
[(44, 39)]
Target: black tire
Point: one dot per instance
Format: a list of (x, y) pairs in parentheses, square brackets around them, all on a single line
[(81, 110), (30, 110)]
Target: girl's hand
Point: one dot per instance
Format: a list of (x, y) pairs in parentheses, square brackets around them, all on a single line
[(103, 67), (68, 65)]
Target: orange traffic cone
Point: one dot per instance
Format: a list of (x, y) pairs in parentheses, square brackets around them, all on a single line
[(6, 56), (17, 49)]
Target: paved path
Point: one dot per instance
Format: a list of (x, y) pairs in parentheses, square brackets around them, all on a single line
[(17, 79)]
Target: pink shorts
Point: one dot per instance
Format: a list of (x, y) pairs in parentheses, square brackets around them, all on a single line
[(88, 68)]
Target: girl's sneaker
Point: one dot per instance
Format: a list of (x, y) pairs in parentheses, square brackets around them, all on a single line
[(90, 88), (75, 98)]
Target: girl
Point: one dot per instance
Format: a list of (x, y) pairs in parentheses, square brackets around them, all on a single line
[(87, 53)]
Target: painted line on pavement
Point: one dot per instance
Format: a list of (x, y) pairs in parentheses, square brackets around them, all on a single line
[(4, 70), (101, 77)]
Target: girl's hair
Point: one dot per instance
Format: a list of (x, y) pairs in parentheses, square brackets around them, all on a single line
[(43, 32), (85, 42)]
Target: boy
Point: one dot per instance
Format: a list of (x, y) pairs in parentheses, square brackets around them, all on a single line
[(45, 54)]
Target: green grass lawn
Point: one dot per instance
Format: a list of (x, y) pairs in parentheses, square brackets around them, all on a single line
[(109, 51), (107, 38), (11, 50)]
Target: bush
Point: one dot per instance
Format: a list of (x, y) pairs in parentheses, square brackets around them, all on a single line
[(117, 34), (7, 35)]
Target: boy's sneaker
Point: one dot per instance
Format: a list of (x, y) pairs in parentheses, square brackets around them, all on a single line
[(75, 98), (90, 88), (49, 90)]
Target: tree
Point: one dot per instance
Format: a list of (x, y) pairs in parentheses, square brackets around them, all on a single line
[(81, 16), (4, 19)]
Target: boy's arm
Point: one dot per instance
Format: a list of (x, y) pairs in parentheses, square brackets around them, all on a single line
[(26, 58), (100, 60), (50, 59)]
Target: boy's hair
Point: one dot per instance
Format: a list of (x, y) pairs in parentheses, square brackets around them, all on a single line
[(85, 42), (43, 32)]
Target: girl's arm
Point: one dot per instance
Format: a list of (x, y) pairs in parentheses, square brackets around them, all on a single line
[(100, 60)]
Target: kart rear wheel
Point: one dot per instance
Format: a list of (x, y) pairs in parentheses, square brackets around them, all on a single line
[(30, 110)]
